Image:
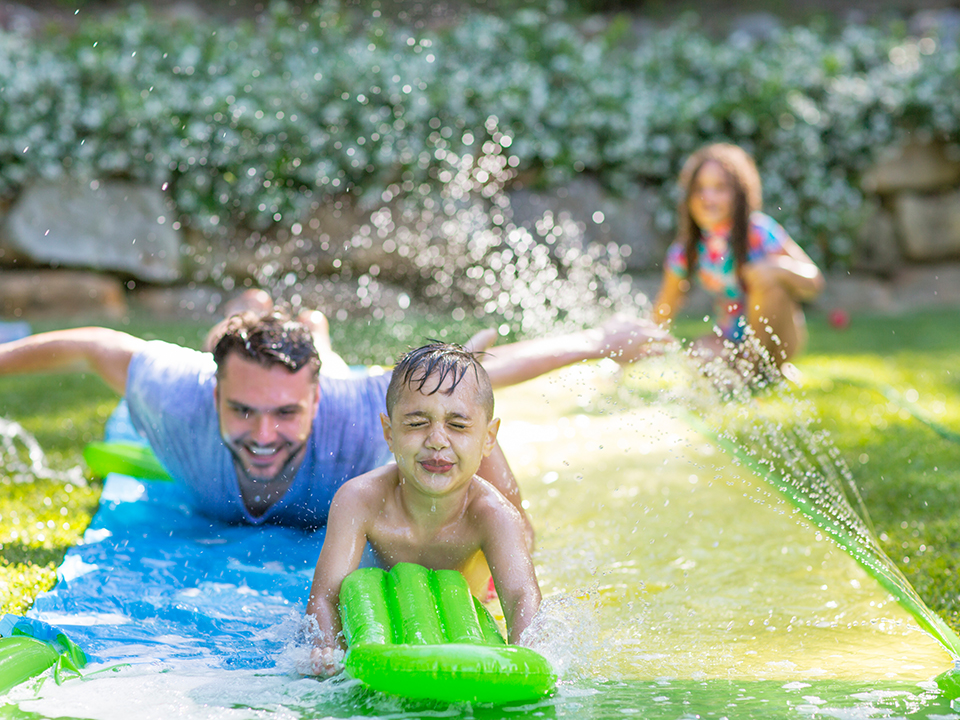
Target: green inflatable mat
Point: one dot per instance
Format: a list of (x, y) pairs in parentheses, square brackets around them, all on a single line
[(23, 655), (420, 634), (126, 458)]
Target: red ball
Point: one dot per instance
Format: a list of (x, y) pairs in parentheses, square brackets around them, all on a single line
[(839, 319)]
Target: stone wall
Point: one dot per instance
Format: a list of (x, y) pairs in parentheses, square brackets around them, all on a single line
[(93, 248), (914, 194)]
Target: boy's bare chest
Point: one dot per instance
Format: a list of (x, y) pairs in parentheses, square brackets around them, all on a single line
[(447, 547)]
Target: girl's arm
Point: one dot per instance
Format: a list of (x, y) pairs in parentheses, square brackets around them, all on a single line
[(792, 268), (673, 291)]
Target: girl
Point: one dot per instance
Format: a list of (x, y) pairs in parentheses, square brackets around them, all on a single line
[(757, 275)]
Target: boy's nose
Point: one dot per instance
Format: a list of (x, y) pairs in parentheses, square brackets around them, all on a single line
[(437, 438)]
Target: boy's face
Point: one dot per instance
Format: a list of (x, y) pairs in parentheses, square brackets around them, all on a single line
[(438, 440)]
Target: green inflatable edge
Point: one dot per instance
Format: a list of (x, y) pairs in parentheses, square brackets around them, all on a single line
[(420, 634), (23, 657), (126, 458)]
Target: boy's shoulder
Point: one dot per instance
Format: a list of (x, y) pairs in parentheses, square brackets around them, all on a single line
[(487, 501), (371, 485)]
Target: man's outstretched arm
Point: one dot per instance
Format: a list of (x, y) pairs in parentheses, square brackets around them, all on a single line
[(622, 339), (91, 349)]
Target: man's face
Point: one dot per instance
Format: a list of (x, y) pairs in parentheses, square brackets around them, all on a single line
[(265, 415), (439, 439)]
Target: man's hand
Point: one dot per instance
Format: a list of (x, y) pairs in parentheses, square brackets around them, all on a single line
[(626, 339)]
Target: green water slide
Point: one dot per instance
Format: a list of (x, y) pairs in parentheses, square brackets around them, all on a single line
[(871, 558)]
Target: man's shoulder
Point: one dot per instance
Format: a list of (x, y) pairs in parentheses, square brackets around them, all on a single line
[(168, 376), (160, 353), (360, 381)]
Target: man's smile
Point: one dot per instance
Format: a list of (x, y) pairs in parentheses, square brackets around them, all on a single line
[(262, 451)]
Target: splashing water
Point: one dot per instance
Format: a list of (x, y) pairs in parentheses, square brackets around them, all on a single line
[(700, 567), (23, 460), (456, 248), (775, 432)]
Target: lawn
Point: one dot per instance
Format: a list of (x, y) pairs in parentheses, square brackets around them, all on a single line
[(886, 390)]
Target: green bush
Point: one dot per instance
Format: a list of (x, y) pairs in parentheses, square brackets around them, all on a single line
[(250, 124)]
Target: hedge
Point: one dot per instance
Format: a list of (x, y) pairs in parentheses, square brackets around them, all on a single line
[(249, 124)]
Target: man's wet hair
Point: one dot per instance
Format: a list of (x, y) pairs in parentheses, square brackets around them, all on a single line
[(427, 368), (268, 340)]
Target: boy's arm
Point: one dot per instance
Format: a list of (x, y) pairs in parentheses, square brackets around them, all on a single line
[(504, 545), (495, 469), (343, 545), (92, 349)]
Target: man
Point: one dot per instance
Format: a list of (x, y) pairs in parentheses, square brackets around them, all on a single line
[(252, 430)]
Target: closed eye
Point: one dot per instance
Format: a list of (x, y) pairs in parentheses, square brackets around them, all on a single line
[(241, 410)]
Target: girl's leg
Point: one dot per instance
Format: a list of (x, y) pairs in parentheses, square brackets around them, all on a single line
[(776, 318)]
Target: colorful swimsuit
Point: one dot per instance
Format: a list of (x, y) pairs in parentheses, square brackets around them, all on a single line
[(715, 268)]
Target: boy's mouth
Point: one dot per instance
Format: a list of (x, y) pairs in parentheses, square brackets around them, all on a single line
[(436, 466)]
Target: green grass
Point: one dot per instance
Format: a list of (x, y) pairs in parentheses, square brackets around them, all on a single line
[(902, 448), (887, 391)]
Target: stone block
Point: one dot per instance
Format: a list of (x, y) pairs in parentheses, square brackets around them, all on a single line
[(877, 249), (113, 226), (855, 293), (916, 166), (202, 303), (928, 225), (45, 294), (928, 286)]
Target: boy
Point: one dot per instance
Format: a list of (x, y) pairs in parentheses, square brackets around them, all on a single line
[(429, 507)]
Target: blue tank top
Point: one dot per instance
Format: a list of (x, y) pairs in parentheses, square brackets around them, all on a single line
[(170, 393)]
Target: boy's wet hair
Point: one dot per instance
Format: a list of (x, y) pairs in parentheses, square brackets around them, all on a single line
[(268, 340), (439, 361)]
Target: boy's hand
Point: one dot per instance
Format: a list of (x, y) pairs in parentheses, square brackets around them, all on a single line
[(326, 661)]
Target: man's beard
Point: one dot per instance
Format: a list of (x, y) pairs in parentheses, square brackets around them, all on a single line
[(287, 470)]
